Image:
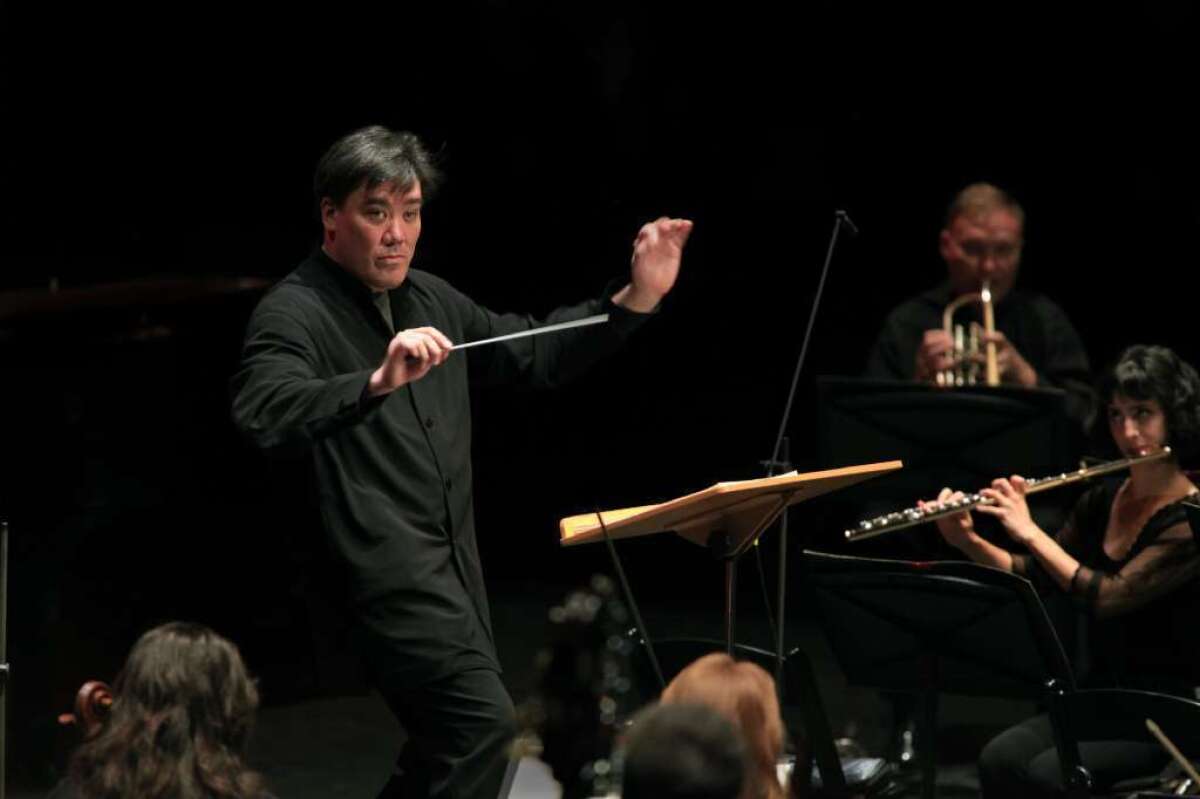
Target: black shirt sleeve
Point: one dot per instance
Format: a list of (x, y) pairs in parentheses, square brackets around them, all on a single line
[(893, 357), (281, 396)]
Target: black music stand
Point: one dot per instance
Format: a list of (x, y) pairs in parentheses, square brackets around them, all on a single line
[(963, 438), (941, 627)]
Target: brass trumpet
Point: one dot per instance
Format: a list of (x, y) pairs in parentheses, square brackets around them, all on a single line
[(965, 370), (911, 517)]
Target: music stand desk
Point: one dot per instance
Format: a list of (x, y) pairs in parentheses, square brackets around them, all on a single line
[(740, 509), (726, 517)]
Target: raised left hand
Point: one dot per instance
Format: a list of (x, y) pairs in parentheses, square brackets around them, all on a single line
[(654, 266)]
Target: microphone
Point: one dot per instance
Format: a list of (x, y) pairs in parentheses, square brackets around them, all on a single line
[(853, 228)]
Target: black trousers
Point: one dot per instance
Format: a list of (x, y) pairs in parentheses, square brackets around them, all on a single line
[(1022, 761), (459, 731)]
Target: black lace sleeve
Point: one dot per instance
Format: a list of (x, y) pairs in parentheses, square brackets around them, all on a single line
[(1164, 557), (1163, 565)]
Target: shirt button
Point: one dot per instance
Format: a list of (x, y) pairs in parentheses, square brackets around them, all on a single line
[(429, 422)]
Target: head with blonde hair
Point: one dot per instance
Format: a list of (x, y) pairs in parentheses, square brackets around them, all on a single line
[(744, 694)]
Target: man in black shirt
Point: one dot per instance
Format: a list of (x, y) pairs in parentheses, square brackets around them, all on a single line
[(1036, 343), (348, 359)]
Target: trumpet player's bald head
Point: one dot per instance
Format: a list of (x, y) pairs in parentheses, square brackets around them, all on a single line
[(982, 240)]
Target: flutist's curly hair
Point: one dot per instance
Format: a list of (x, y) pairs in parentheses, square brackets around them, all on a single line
[(1154, 373), (183, 706)]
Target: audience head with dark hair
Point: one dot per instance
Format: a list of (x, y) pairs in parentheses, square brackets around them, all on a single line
[(183, 707), (1156, 374), (683, 751), (744, 694)]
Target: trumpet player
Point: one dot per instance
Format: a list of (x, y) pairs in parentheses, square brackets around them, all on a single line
[(1034, 342)]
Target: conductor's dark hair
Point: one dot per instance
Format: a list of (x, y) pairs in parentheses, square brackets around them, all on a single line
[(1154, 373), (683, 751), (371, 156)]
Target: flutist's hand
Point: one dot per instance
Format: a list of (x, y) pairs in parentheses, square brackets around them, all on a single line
[(935, 354), (410, 356), (1010, 508), (959, 529), (1011, 365)]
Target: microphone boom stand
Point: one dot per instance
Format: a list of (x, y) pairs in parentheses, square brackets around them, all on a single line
[(781, 447)]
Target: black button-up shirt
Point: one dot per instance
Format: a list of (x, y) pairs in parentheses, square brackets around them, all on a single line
[(393, 473)]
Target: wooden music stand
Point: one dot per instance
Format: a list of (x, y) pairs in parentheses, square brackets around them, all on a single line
[(727, 517)]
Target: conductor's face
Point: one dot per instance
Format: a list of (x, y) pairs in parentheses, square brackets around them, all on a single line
[(985, 247), (374, 233)]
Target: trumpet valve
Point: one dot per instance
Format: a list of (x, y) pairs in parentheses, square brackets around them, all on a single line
[(972, 350)]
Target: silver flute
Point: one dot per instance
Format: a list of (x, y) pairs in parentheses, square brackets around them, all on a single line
[(911, 517)]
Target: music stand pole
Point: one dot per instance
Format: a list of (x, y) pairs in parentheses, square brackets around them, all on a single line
[(3, 651), (781, 588), (633, 606)]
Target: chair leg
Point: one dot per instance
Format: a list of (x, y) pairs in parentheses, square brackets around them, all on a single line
[(927, 744), (1077, 780)]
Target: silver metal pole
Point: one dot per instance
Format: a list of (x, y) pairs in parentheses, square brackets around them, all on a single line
[(3, 652)]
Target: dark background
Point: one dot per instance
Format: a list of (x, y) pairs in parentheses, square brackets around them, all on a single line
[(146, 144)]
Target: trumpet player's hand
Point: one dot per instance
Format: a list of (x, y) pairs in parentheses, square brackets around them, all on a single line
[(959, 529), (1010, 508), (1010, 363), (935, 353)]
